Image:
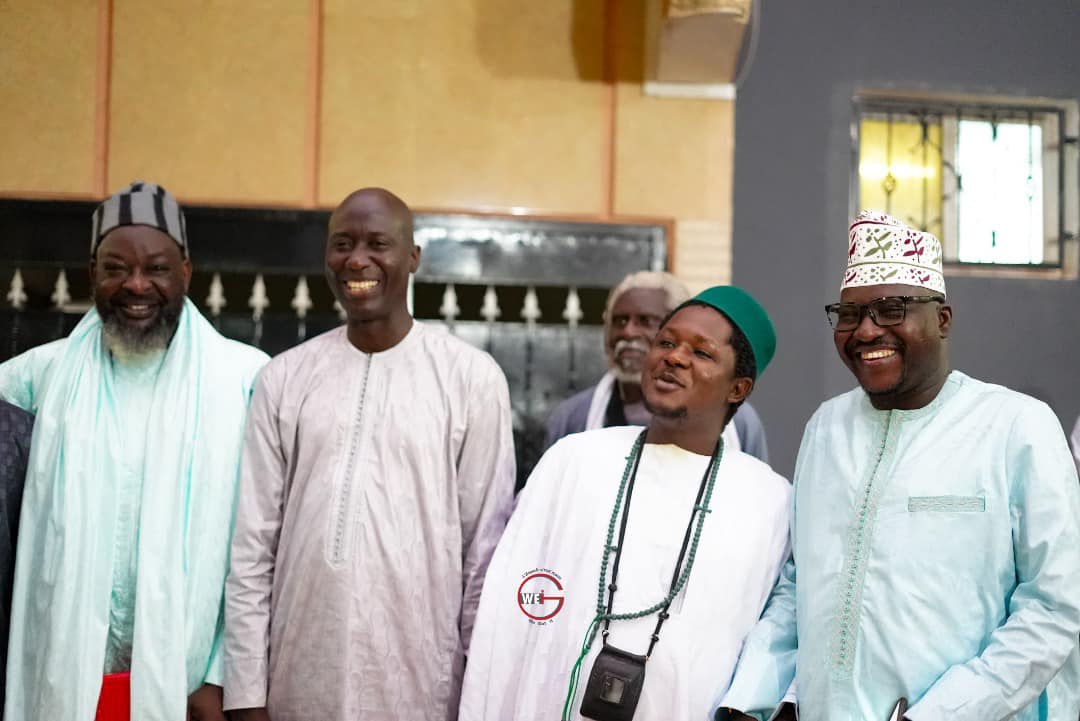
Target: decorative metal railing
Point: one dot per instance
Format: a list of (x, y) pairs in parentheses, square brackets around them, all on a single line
[(530, 292)]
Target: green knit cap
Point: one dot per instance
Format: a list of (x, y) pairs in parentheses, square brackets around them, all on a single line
[(746, 314)]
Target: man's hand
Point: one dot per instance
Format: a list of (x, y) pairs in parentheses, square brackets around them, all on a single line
[(249, 714), (205, 704)]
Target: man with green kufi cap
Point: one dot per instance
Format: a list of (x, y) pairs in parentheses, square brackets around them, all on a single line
[(658, 547)]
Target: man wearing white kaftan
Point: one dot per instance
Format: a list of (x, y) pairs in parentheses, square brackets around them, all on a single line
[(936, 542), (382, 481), (518, 669), (520, 661)]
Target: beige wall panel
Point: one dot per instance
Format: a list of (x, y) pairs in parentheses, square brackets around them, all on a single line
[(48, 62), (673, 156), (466, 104), (209, 98)]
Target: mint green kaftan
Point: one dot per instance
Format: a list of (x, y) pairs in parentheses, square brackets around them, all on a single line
[(936, 557), (69, 546)]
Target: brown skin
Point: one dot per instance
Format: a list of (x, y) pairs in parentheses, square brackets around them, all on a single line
[(249, 714), (205, 704), (689, 380), (137, 265), (635, 315), (370, 240), (917, 369)]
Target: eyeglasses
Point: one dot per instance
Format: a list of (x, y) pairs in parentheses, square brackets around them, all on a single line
[(886, 311)]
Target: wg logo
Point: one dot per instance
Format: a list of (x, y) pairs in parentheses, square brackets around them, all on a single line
[(540, 595)]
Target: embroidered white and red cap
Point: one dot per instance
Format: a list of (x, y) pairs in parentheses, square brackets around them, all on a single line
[(882, 250)]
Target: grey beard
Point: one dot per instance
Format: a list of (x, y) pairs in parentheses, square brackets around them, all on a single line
[(632, 377), (131, 344), (625, 376)]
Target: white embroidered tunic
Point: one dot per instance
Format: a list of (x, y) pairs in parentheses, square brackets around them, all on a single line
[(519, 668), (374, 488)]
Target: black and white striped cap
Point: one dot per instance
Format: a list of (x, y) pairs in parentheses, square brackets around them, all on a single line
[(140, 204)]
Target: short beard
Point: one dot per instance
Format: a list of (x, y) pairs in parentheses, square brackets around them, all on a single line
[(130, 344), (674, 413)]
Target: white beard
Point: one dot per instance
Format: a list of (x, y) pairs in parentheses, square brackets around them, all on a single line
[(132, 347)]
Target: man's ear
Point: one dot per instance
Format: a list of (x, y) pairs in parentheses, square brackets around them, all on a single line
[(414, 258), (741, 390), (944, 316), (185, 269)]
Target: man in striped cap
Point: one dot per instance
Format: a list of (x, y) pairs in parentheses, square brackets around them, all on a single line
[(130, 493)]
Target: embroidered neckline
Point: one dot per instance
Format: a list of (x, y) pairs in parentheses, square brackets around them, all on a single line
[(953, 383)]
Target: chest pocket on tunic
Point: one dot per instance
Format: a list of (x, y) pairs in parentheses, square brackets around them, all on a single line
[(946, 504), (950, 535)]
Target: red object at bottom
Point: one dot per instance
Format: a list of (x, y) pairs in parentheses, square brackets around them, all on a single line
[(114, 704)]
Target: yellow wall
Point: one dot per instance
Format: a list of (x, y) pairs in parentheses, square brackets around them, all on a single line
[(47, 72), (213, 107), (462, 104), (454, 104)]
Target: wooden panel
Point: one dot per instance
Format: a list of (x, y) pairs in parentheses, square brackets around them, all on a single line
[(209, 98), (47, 92), (478, 104)]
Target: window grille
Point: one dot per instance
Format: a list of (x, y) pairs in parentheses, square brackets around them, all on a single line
[(995, 181)]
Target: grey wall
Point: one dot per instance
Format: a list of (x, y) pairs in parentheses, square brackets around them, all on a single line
[(792, 168)]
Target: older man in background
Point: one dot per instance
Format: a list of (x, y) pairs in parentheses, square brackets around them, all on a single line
[(635, 308), (124, 536)]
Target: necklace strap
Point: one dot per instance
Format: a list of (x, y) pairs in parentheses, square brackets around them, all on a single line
[(636, 453), (690, 539)]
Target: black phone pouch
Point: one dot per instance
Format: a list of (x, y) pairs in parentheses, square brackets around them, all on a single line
[(615, 685)]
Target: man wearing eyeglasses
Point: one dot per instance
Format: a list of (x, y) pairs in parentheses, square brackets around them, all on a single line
[(936, 542)]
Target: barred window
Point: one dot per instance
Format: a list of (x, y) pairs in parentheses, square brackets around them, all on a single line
[(995, 181)]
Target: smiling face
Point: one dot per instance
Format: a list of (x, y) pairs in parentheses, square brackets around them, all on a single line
[(369, 256), (140, 278), (690, 370), (900, 366)]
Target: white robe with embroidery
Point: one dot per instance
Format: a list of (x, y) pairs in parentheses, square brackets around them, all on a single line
[(374, 488), (518, 670)]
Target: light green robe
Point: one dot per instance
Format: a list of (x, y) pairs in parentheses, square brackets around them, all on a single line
[(936, 557), (67, 547)]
